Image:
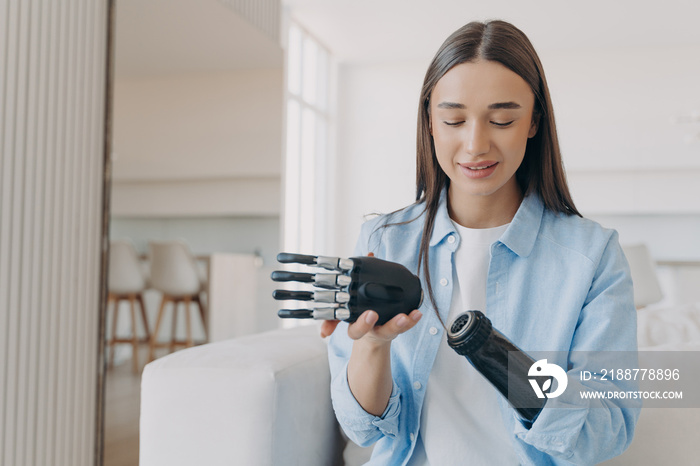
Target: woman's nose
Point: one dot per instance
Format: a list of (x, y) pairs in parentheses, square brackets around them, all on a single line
[(476, 140)]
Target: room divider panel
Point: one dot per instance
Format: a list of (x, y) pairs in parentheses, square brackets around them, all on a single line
[(53, 57)]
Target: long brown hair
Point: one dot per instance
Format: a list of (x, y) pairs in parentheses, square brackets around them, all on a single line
[(541, 171)]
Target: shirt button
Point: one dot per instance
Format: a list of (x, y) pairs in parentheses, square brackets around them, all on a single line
[(433, 331), (443, 282), (412, 437), (417, 385), (451, 239)]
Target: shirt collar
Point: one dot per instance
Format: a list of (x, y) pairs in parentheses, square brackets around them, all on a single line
[(520, 236), (522, 233)]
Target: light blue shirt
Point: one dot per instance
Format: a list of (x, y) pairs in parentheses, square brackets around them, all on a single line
[(555, 283)]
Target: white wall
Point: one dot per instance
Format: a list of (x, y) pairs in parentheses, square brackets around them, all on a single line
[(216, 197), (616, 106), (200, 125), (377, 109), (615, 110), (207, 144)]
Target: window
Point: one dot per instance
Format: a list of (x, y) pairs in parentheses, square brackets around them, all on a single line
[(307, 142)]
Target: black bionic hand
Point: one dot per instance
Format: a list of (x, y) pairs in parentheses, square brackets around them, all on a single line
[(358, 284)]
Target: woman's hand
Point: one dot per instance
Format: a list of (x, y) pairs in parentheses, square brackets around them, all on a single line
[(364, 327), (369, 367)]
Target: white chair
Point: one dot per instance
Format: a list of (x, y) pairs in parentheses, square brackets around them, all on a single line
[(175, 274), (127, 281)]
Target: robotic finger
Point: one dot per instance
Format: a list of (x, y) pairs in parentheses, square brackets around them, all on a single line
[(315, 296), (319, 313), (328, 263), (321, 280)]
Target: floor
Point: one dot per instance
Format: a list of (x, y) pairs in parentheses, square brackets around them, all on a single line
[(122, 404)]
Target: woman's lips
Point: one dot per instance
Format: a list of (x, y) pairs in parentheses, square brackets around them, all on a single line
[(478, 169)]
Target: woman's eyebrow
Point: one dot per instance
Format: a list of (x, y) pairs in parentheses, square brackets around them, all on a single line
[(495, 106), (451, 105), (504, 105)]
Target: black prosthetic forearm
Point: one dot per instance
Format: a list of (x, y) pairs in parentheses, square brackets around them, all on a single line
[(503, 364), (358, 284)]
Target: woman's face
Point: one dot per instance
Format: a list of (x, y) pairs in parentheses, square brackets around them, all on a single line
[(481, 116)]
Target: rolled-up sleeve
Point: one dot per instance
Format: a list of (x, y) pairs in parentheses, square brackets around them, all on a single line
[(360, 426), (589, 431)]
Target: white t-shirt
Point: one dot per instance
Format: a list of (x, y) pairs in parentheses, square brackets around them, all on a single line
[(459, 402)]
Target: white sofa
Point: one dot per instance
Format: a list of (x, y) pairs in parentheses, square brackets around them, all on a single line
[(255, 400), (264, 400)]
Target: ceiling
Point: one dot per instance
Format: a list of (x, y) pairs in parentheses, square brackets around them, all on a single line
[(179, 36), (155, 37), (378, 30)]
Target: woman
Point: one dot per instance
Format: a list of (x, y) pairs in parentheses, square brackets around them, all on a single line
[(493, 228)]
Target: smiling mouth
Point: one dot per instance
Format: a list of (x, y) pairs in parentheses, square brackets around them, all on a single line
[(481, 168)]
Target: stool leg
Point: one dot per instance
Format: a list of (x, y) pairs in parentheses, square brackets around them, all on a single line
[(139, 297), (198, 300), (134, 335), (154, 335), (188, 322), (173, 335)]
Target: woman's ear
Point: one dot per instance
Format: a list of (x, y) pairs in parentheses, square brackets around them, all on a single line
[(534, 126)]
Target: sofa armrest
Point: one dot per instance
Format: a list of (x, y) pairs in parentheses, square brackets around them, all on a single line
[(260, 399), (664, 435)]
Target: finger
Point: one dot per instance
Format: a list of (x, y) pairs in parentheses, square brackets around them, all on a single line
[(288, 258), (399, 324), (328, 327), (362, 325)]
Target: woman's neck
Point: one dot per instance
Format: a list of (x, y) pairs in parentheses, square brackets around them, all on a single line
[(484, 211)]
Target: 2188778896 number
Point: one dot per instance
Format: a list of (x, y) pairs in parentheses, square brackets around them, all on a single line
[(638, 374)]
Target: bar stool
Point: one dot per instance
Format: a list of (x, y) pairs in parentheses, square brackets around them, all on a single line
[(127, 281), (175, 274)]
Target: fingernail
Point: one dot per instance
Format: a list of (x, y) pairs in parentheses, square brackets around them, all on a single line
[(401, 322), (369, 318), (416, 316)]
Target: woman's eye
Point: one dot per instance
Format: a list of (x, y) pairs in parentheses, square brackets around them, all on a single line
[(453, 123), (504, 124)]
